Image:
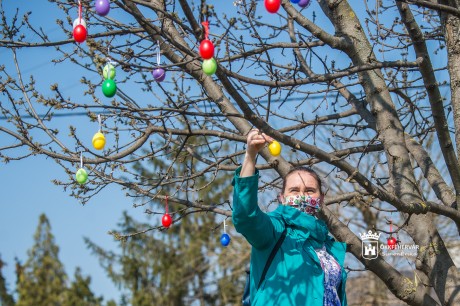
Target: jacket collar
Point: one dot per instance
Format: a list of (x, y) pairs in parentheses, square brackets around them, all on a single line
[(307, 225)]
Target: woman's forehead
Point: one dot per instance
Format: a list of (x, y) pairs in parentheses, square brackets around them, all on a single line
[(301, 178)]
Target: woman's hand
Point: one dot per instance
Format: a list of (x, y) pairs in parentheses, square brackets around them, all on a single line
[(255, 142)]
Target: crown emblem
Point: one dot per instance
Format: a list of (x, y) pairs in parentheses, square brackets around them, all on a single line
[(370, 235)]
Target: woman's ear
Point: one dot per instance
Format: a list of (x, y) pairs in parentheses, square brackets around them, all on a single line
[(281, 198)]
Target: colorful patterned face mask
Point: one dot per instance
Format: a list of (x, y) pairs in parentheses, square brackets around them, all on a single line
[(304, 203)]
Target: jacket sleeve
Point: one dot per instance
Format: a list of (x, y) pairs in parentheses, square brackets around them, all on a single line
[(249, 220)]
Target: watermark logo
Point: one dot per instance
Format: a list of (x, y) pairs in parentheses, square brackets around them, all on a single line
[(370, 245)]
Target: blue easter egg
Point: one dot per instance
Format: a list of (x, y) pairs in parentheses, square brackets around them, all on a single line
[(225, 239)]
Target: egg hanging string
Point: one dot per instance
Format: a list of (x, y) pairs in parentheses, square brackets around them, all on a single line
[(81, 159), (158, 53), (79, 10), (166, 204), (206, 28), (391, 224), (99, 119), (109, 59)]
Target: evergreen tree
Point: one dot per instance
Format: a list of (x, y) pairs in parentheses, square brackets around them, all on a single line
[(6, 299), (80, 292), (42, 280), (184, 264)]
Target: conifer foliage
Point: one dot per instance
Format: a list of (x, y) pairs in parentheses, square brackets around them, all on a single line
[(42, 280), (6, 298)]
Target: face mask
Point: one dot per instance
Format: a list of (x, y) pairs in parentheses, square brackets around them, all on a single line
[(304, 203)]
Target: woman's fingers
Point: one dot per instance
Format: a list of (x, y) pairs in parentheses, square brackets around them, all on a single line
[(268, 138), (256, 141)]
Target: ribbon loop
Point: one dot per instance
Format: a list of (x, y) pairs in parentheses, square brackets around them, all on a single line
[(79, 10), (99, 119), (206, 29), (158, 53)]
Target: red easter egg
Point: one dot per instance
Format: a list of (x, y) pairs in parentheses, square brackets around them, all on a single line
[(206, 49), (272, 6), (166, 220), (391, 242), (79, 33)]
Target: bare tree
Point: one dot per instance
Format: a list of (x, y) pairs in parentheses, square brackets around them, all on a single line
[(355, 86)]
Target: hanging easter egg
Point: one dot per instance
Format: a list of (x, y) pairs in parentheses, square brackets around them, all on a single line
[(79, 33), (295, 1), (206, 49), (225, 239), (209, 66), (81, 176), (392, 242), (159, 74), (166, 220), (109, 72), (98, 141), (109, 88), (272, 6), (79, 21), (304, 3), (274, 148), (102, 7)]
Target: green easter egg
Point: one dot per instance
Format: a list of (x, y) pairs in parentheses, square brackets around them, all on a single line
[(209, 66), (109, 88), (109, 72), (81, 176)]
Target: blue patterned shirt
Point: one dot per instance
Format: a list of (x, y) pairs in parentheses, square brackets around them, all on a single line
[(332, 277)]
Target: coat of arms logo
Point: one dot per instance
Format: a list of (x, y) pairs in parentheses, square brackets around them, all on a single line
[(370, 245)]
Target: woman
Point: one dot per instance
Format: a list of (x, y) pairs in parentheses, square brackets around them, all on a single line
[(308, 267)]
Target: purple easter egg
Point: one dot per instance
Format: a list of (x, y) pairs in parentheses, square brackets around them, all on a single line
[(102, 7), (159, 74), (304, 3)]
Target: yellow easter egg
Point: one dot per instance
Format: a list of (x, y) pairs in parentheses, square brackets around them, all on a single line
[(98, 141), (274, 148)]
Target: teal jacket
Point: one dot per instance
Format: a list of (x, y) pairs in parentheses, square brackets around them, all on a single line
[(295, 276)]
